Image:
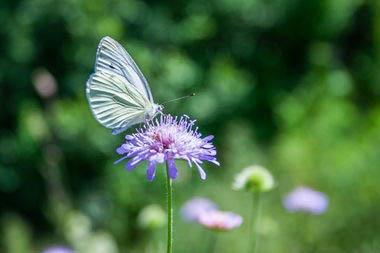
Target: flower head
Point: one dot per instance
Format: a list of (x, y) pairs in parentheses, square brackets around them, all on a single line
[(220, 221), (165, 140), (254, 178), (196, 206), (152, 217), (58, 249), (304, 199)]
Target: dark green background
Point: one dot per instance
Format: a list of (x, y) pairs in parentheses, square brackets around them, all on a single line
[(289, 84)]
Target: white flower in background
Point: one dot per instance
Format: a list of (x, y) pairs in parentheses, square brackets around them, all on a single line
[(254, 178)]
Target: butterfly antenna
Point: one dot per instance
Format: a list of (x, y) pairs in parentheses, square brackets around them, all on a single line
[(172, 100)]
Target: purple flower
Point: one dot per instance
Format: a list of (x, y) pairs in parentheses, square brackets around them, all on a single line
[(220, 221), (58, 249), (165, 140), (306, 200), (196, 206)]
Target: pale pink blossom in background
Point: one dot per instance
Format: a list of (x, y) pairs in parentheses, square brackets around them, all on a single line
[(220, 221)]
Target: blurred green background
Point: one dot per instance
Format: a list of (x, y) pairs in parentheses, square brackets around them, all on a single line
[(293, 85)]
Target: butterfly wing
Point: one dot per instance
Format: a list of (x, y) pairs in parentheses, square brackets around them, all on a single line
[(115, 102), (112, 57)]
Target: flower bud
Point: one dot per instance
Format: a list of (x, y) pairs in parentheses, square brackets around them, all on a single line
[(254, 178)]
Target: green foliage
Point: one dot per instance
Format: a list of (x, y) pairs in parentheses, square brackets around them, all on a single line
[(292, 85)]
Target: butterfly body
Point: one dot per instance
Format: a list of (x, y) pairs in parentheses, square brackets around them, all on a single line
[(118, 93)]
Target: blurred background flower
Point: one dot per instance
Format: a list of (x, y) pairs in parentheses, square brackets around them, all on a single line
[(254, 178), (220, 220), (196, 206), (44, 83), (58, 249), (152, 217), (304, 199)]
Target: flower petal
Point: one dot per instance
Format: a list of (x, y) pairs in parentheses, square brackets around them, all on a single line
[(159, 158), (202, 173), (208, 145), (172, 169), (129, 137), (208, 138), (119, 160), (121, 150), (214, 161), (131, 164), (151, 171)]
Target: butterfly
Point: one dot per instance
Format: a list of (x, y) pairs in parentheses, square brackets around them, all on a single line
[(117, 92)]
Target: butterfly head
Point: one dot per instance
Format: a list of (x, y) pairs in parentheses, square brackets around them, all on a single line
[(159, 108)]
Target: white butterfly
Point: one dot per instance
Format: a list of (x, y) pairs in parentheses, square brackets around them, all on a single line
[(118, 93)]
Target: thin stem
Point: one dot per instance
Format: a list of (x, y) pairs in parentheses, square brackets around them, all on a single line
[(308, 233), (169, 188), (211, 248), (255, 221)]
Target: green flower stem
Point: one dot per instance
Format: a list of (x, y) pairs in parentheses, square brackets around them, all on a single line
[(169, 188), (253, 235), (211, 248)]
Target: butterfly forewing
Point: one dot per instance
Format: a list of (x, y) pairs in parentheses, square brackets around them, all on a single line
[(114, 101), (118, 93), (111, 56)]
